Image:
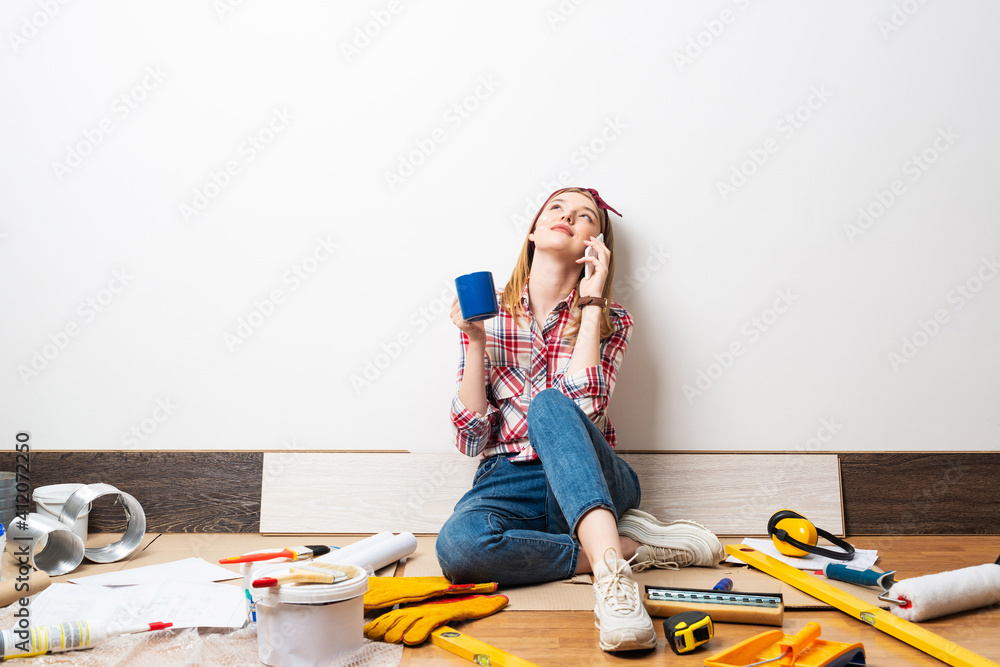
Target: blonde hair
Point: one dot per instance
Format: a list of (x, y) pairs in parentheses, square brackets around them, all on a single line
[(510, 300)]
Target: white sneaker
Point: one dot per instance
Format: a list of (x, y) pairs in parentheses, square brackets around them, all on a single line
[(624, 623), (669, 545)]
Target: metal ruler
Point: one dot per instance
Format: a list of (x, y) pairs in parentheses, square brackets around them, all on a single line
[(934, 645), (692, 595)]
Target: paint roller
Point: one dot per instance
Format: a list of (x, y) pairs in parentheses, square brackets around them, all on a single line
[(934, 595)]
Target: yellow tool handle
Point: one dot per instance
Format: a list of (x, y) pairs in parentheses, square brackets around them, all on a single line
[(920, 638), (474, 650), (800, 641)]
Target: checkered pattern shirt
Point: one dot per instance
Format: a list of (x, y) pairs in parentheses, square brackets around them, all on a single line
[(522, 361)]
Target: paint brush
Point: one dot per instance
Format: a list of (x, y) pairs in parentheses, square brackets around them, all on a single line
[(317, 573), (291, 553)]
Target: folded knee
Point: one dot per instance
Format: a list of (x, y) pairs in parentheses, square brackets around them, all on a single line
[(461, 550), (548, 399)]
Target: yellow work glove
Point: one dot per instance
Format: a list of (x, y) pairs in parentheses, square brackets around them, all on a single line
[(413, 625), (389, 591)]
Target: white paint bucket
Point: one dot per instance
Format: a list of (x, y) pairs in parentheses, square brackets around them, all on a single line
[(49, 501), (250, 572), (8, 498), (305, 625)]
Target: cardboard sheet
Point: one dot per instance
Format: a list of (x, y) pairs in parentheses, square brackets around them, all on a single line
[(577, 595), (8, 564)]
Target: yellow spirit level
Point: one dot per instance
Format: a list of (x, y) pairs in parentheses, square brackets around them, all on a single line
[(920, 638), (474, 650)]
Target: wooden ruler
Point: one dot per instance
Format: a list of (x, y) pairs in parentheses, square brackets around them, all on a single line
[(472, 649), (880, 619)]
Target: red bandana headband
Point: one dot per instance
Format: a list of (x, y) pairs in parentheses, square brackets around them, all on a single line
[(597, 198), (600, 202)]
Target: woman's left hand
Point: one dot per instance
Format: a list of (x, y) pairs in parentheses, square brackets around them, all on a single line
[(594, 285)]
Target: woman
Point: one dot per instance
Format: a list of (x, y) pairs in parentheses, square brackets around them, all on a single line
[(550, 497)]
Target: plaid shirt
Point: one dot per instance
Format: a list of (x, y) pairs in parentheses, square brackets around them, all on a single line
[(522, 361)]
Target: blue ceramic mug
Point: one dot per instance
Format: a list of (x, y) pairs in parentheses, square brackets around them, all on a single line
[(476, 296)]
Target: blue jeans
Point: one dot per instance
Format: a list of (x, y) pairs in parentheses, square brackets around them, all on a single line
[(517, 524)]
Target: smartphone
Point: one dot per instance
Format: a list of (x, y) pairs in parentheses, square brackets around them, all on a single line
[(588, 269)]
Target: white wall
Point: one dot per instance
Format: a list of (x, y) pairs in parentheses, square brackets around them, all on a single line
[(118, 115)]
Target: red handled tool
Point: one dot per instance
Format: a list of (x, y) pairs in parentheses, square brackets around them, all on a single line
[(314, 573), (291, 553)]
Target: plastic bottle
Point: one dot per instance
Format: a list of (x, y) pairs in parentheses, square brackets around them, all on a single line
[(41, 639)]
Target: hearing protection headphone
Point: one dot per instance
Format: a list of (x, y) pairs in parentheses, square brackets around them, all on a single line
[(794, 535)]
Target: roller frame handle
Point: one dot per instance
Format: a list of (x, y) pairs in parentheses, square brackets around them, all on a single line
[(851, 575)]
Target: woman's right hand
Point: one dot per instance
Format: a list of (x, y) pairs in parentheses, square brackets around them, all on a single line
[(476, 331)]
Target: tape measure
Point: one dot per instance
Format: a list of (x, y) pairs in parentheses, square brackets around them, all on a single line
[(688, 630)]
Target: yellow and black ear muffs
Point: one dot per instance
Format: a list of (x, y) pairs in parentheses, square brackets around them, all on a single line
[(794, 535)]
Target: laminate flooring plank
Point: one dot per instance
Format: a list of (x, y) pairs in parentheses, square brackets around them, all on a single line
[(735, 494), (732, 494), (930, 493), (179, 491)]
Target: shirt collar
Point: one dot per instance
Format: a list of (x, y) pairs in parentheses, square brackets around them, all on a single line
[(564, 304), (567, 302)]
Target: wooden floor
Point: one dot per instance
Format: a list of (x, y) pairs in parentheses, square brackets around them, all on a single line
[(570, 638)]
